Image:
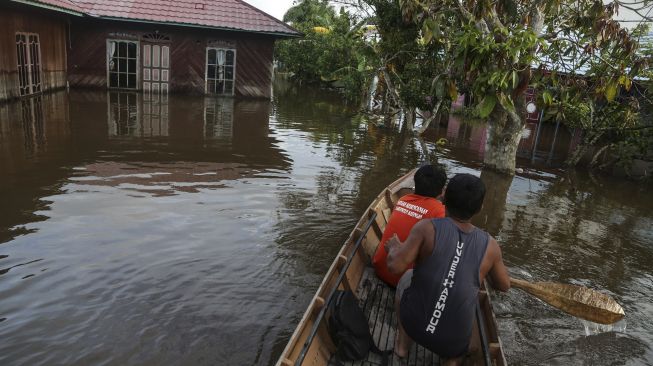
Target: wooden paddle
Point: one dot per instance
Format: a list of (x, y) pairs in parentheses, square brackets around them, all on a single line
[(578, 301)]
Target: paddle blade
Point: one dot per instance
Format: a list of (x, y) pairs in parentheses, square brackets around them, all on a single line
[(575, 300)]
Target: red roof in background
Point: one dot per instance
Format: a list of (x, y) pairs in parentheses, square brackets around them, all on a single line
[(220, 14)]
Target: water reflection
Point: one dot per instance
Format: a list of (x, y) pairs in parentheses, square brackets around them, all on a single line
[(148, 115), (124, 117), (32, 121), (218, 117), (33, 133), (471, 135), (155, 114), (544, 144), (33, 127), (492, 214), (137, 114), (140, 192), (200, 147)]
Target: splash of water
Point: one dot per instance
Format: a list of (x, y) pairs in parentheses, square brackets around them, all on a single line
[(592, 328)]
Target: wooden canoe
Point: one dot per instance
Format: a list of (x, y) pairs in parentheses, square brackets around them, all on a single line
[(311, 345)]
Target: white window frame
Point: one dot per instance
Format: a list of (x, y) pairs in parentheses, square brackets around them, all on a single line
[(30, 61), (138, 63), (206, 70)]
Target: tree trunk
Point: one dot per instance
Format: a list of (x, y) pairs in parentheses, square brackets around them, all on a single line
[(426, 155), (433, 116), (385, 104), (588, 141), (410, 115), (491, 216), (369, 94), (506, 124), (597, 154), (504, 133)]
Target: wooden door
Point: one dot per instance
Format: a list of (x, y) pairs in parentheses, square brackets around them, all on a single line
[(156, 68)]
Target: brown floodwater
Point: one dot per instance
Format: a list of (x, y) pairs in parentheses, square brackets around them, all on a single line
[(194, 231)]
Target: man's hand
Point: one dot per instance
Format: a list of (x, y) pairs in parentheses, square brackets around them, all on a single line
[(401, 255), (392, 243)]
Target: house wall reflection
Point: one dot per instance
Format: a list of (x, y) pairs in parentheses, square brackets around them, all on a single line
[(544, 142)]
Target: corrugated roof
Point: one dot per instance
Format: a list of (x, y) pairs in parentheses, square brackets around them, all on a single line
[(223, 14), (646, 42)]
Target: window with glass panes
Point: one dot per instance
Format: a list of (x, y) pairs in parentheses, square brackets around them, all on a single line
[(220, 70), (122, 63)]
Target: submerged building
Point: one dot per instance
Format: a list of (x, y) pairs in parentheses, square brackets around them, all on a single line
[(33, 47), (220, 47)]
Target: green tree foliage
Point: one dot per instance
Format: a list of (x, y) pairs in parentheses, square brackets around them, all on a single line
[(624, 145), (413, 62), (311, 13), (571, 50), (581, 62), (613, 113), (332, 51)]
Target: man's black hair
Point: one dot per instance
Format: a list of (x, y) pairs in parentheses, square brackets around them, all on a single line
[(464, 196), (430, 180)]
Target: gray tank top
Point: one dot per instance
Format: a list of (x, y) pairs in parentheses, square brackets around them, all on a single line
[(437, 309)]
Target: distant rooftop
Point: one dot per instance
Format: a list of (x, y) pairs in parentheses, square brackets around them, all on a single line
[(646, 42), (233, 15)]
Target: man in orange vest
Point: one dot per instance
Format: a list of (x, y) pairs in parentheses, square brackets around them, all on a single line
[(423, 204)]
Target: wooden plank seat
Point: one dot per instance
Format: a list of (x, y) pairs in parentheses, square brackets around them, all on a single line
[(377, 301)]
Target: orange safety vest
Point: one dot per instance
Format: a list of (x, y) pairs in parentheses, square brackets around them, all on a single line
[(407, 212)]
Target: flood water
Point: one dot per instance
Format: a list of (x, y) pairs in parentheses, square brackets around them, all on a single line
[(194, 231)]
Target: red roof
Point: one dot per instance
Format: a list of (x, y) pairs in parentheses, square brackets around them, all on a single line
[(220, 14)]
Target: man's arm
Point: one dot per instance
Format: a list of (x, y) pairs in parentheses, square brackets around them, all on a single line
[(401, 255), (498, 275)]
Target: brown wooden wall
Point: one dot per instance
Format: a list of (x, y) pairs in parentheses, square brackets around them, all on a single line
[(87, 56), (51, 28)]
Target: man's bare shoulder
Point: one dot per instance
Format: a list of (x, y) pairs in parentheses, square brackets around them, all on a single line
[(424, 227), (493, 251), (425, 231)]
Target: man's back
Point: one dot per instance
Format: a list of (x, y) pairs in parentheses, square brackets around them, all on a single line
[(408, 211), (437, 309)]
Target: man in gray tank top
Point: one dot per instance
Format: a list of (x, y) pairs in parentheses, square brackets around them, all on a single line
[(436, 301)]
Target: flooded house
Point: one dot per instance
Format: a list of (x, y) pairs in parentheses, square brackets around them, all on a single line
[(33, 44), (217, 47)]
